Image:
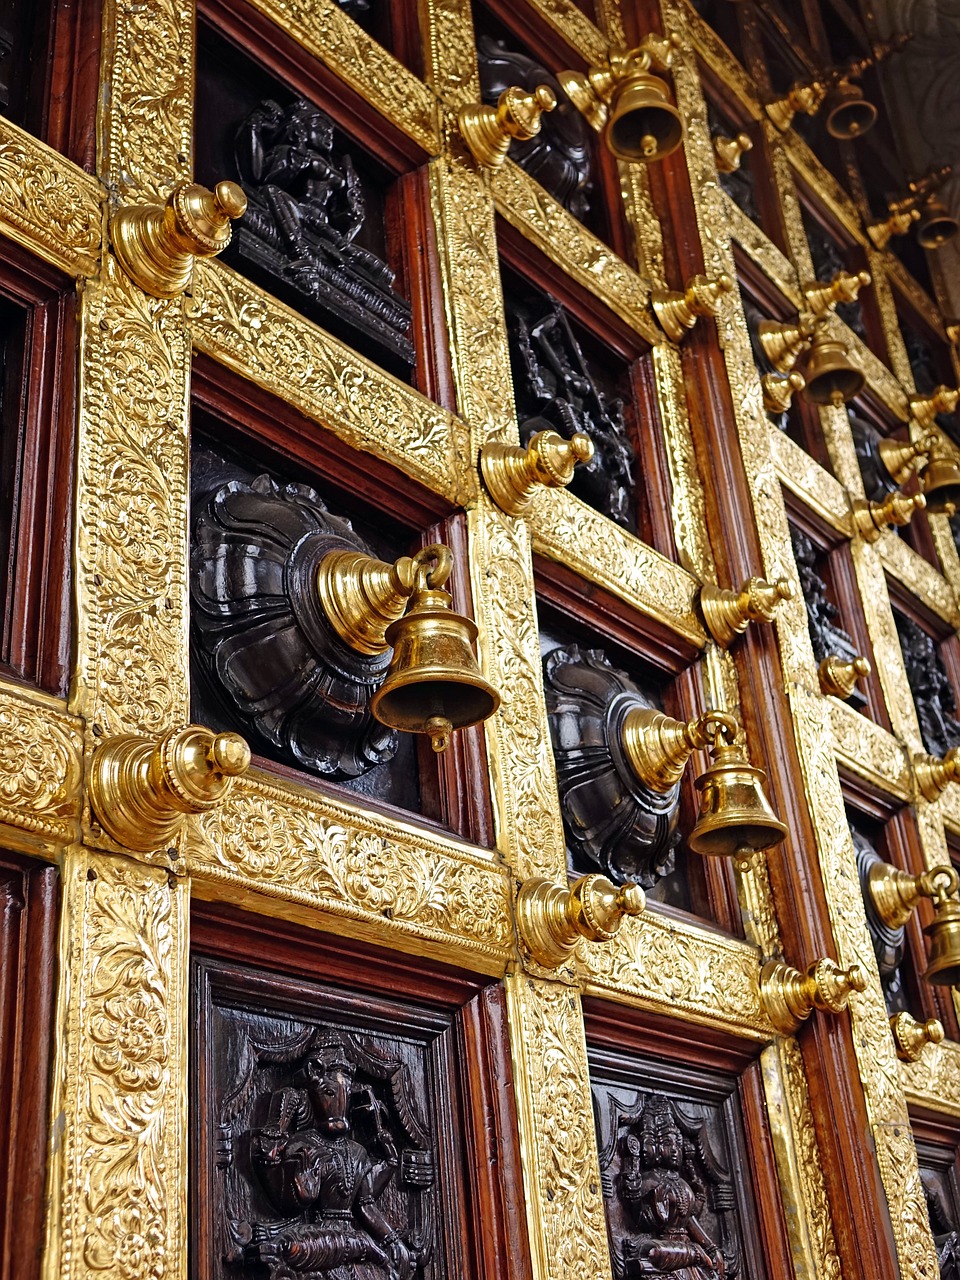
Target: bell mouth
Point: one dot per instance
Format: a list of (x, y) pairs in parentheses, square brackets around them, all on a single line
[(836, 387), (732, 820), (644, 125), (944, 500), (851, 120), (937, 232)]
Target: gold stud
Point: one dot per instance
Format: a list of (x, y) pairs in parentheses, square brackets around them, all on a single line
[(657, 747), (897, 223), (900, 458), (895, 894), (823, 296), (789, 996), (729, 151), (779, 390), (552, 918), (677, 313), (839, 678), (784, 342), (925, 408), (871, 518), (488, 131), (513, 475), (728, 613), (804, 99), (933, 775), (911, 1037)]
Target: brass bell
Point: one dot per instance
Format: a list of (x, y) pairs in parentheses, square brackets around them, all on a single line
[(643, 124), (433, 683), (848, 113), (937, 224), (831, 378), (735, 818), (940, 481), (944, 934)]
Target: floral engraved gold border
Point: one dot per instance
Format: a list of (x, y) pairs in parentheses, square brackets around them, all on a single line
[(718, 57), (934, 1082), (246, 329), (825, 186), (687, 509), (568, 19), (921, 578), (450, 51), (879, 377), (901, 279), (397, 883), (41, 769), (668, 965), (47, 204), (761, 250), (810, 481), (118, 1166), (330, 35), (867, 750)]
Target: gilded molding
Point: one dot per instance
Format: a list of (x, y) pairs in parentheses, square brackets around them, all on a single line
[(783, 174), (820, 491), (242, 327), (449, 49), (718, 57), (881, 380), (827, 188), (558, 1144), (761, 250), (118, 1163), (869, 751), (934, 1082), (41, 769), (565, 529), (898, 275), (329, 34), (398, 884), (642, 217), (131, 530), (663, 965), (881, 268), (921, 579), (687, 510), (946, 550), (145, 121), (568, 20), (47, 204)]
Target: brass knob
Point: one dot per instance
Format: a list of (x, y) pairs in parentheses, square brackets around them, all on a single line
[(678, 312), (839, 678), (784, 343), (900, 457), (933, 775), (824, 296), (727, 613), (728, 151), (657, 747), (871, 518), (779, 389), (157, 243), (142, 789), (552, 918), (488, 131), (513, 475), (924, 409), (898, 223), (911, 1037), (895, 893), (804, 99), (789, 996)]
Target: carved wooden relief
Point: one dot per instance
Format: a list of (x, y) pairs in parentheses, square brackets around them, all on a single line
[(932, 694), (938, 1174), (877, 481)]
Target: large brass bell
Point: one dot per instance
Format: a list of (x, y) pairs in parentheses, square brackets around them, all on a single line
[(848, 113), (735, 818), (944, 934), (643, 124), (433, 683), (937, 224), (940, 481), (831, 378)]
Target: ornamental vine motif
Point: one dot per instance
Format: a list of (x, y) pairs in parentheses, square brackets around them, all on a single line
[(40, 769)]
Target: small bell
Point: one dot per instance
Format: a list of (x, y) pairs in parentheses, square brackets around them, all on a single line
[(831, 378), (940, 481), (735, 816), (433, 684), (643, 125), (848, 113), (937, 224), (944, 934)]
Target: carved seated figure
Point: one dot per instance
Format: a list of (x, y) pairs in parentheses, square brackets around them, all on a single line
[(323, 1182)]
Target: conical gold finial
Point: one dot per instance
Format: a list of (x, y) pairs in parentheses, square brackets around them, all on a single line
[(911, 1037), (784, 343), (513, 475), (839, 678), (897, 223), (804, 99), (789, 996), (824, 296), (900, 457), (779, 390), (924, 409), (727, 613), (895, 893), (488, 131), (142, 789), (552, 918), (678, 312), (658, 747), (933, 775), (156, 244), (729, 151), (871, 518)]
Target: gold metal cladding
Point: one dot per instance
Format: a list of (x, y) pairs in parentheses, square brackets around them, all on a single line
[(779, 390), (141, 789), (156, 244), (871, 518), (839, 678), (895, 893), (824, 296), (361, 595), (488, 131), (552, 918), (803, 99), (912, 1037), (658, 747), (677, 313), (513, 475), (728, 613), (900, 458), (41, 771), (729, 151), (735, 818), (789, 996), (924, 409), (898, 223), (783, 343)]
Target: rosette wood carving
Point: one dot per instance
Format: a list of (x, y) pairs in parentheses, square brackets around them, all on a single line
[(261, 638), (932, 693), (613, 822)]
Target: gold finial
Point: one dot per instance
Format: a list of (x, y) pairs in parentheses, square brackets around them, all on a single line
[(729, 151), (552, 918), (789, 996), (513, 475), (678, 312), (924, 409), (727, 613), (142, 789), (779, 390), (488, 131), (952, 330), (911, 1037), (657, 747), (783, 343), (895, 893), (802, 99), (871, 518), (823, 296), (933, 775), (897, 223), (157, 243), (900, 457), (839, 678)]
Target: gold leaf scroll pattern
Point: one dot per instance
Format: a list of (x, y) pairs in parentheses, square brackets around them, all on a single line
[(244, 328), (40, 767), (122, 1097), (280, 844), (132, 504), (526, 804), (452, 60), (557, 1135), (147, 126), (934, 1081)]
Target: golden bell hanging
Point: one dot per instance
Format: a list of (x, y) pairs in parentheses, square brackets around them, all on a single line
[(937, 224), (831, 378), (848, 113), (944, 934), (433, 684), (940, 481), (643, 124), (735, 818)]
